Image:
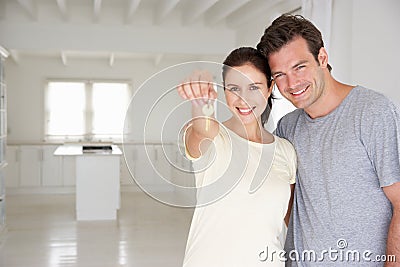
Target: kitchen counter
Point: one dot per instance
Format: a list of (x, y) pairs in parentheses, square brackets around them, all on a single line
[(97, 180), (78, 150)]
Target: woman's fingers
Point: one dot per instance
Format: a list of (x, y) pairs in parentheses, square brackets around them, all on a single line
[(206, 83), (212, 93), (198, 87), (181, 91)]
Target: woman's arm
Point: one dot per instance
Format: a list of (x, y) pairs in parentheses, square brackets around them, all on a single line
[(203, 127), (289, 210)]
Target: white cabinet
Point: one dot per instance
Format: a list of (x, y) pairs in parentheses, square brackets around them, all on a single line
[(97, 187), (68, 167), (97, 180), (125, 170), (51, 167), (148, 165), (35, 166), (3, 138), (30, 166), (12, 169), (2, 201)]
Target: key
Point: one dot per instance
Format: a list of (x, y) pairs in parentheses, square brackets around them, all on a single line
[(208, 110)]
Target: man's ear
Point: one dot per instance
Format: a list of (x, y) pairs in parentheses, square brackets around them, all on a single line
[(323, 57)]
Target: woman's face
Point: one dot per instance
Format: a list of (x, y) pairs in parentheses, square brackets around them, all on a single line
[(246, 93)]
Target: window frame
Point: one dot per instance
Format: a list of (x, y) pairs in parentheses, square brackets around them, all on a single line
[(88, 135)]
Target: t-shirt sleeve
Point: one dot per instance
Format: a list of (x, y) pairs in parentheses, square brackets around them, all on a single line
[(278, 131), (285, 126), (381, 137), (293, 168), (290, 160)]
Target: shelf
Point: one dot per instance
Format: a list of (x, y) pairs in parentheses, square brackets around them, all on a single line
[(3, 137)]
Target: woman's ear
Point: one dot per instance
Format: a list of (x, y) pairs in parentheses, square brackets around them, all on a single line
[(323, 57)]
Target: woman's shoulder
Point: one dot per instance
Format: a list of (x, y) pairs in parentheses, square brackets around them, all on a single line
[(285, 149), (284, 144), (285, 155)]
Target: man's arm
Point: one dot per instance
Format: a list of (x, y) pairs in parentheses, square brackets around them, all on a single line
[(393, 243)]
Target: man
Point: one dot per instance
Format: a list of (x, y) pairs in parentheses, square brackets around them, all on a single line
[(347, 199)]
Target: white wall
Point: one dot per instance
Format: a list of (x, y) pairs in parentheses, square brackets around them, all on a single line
[(376, 39), (363, 50), (364, 46), (26, 81)]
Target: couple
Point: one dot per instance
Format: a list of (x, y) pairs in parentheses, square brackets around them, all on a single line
[(341, 149)]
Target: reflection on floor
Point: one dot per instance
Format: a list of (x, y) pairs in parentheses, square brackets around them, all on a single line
[(42, 231)]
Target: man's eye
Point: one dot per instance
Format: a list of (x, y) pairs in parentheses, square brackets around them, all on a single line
[(300, 67), (277, 76)]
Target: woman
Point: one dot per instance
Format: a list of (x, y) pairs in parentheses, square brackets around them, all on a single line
[(243, 172)]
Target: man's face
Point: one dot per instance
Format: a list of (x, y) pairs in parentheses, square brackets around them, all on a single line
[(297, 74)]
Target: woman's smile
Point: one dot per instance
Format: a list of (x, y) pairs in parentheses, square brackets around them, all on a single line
[(245, 111)]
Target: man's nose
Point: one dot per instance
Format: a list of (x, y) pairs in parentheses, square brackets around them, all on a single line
[(291, 80)]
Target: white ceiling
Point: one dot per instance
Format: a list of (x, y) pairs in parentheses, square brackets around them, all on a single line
[(129, 28)]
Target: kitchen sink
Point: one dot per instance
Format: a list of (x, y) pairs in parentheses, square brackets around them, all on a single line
[(96, 148)]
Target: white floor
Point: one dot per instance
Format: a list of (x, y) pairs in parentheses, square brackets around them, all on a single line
[(42, 231)]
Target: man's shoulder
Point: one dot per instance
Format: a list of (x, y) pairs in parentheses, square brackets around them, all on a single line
[(372, 103), (287, 123), (291, 117), (369, 96)]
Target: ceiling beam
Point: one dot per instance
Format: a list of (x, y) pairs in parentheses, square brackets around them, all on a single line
[(4, 52), (2, 9), (15, 56), (96, 10), (64, 58), (133, 6), (197, 9), (222, 9), (163, 9), (258, 8), (29, 7), (111, 60), (157, 59), (62, 6), (57, 37)]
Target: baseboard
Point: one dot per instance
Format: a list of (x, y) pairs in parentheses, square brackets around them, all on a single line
[(71, 189), (3, 232), (40, 190)]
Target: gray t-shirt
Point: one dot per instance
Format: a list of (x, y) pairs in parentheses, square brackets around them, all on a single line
[(340, 214)]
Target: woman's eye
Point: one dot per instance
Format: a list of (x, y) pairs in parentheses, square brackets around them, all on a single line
[(233, 89), (253, 87)]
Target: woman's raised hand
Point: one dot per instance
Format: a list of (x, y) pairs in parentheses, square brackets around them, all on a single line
[(198, 88)]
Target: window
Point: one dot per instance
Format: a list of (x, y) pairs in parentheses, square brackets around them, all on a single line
[(88, 111)]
